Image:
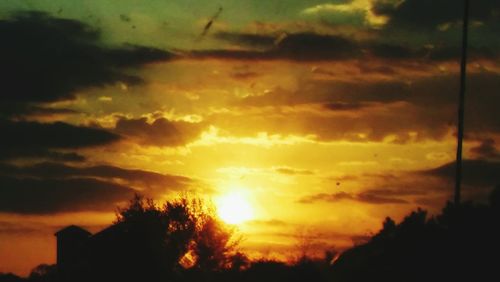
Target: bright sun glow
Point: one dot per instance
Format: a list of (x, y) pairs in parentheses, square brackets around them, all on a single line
[(234, 208)]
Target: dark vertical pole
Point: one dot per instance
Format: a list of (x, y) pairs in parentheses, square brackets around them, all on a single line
[(461, 102)]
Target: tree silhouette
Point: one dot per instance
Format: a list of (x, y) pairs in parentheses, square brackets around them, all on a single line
[(180, 228), (422, 248), (43, 273)]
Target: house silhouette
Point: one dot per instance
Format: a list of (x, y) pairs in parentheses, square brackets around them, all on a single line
[(71, 243), (81, 254), (116, 253)]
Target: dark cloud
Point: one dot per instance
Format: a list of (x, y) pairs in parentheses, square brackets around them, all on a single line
[(36, 153), (425, 106), (310, 46), (246, 39), (7, 227), (150, 183), (341, 106), (44, 111), (430, 187), (161, 132), (68, 57), (52, 135), (293, 171), (54, 187), (21, 111), (233, 54), (45, 140), (486, 150), (47, 196), (298, 47), (244, 75), (13, 226), (381, 69), (374, 196), (409, 185), (444, 51), (476, 173), (428, 14), (454, 52), (392, 51), (347, 93), (432, 202), (270, 222), (367, 125)]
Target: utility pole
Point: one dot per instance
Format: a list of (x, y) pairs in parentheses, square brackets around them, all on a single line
[(461, 103)]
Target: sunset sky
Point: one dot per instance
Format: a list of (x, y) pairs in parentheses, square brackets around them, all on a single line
[(321, 117)]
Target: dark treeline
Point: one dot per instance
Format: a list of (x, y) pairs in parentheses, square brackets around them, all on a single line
[(183, 242)]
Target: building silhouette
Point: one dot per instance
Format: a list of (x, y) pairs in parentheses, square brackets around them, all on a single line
[(115, 253), (71, 244), (82, 255)]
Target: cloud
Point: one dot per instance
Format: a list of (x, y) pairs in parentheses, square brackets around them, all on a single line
[(47, 188), (48, 196), (150, 183), (53, 135), (269, 223), (476, 173), (161, 132), (305, 46), (311, 46), (439, 23), (68, 57), (486, 149), (364, 110), (293, 171), (341, 106), (314, 123), (308, 46), (7, 154), (374, 196), (7, 227), (474, 53), (31, 112), (246, 39), (429, 187), (388, 187), (350, 12), (394, 51), (428, 14), (45, 140)]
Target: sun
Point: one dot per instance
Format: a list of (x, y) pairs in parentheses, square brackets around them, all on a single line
[(234, 208)]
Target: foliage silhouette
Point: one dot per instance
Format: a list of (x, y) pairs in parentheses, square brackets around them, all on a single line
[(43, 273), (183, 233), (148, 242), (460, 244)]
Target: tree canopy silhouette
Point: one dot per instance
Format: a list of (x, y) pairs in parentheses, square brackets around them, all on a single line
[(182, 233), (423, 248)]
